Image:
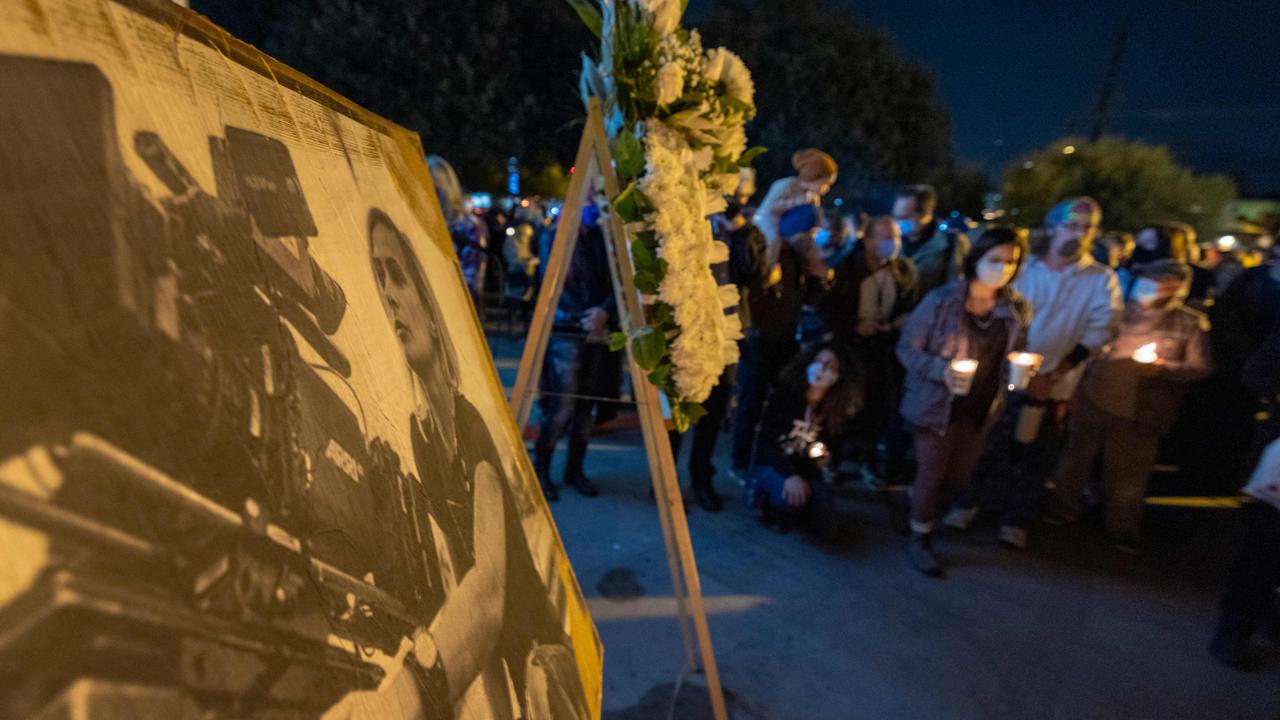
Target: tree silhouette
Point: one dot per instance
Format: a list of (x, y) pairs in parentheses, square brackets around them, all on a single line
[(1135, 183), (824, 79)]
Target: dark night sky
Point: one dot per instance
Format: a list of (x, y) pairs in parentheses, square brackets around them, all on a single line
[(1198, 75)]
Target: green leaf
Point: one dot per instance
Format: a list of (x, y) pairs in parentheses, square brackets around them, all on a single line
[(628, 155), (648, 347), (589, 14), (750, 155), (641, 255), (631, 204), (663, 314), (660, 374), (686, 413), (647, 282), (617, 341), (736, 105)]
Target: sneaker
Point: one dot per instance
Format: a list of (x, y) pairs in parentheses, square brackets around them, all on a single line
[(1013, 536), (920, 555), (960, 518)]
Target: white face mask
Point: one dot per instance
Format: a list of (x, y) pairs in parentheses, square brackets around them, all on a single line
[(1145, 292), (821, 376), (995, 273)]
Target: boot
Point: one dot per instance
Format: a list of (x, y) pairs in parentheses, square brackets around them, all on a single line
[(574, 477), (920, 554), (706, 496), (542, 468)]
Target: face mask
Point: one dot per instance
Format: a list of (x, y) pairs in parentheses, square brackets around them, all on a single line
[(820, 376), (887, 249), (996, 274), (1069, 249), (822, 238), (1145, 292), (907, 226)]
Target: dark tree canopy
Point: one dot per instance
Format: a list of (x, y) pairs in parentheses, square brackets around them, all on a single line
[(1135, 183), (824, 79), (483, 81), (479, 81)]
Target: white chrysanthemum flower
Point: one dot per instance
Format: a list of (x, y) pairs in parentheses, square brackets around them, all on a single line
[(666, 14), (670, 83), (736, 78)]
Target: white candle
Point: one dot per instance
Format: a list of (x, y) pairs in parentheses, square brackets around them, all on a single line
[(1022, 366), (965, 369), (1146, 354)]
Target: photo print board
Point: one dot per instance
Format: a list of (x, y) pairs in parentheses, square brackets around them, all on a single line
[(255, 460)]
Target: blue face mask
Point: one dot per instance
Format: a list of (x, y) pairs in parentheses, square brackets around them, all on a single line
[(907, 226), (887, 249)]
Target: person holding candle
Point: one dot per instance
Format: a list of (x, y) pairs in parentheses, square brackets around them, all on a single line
[(1078, 309), (799, 434), (954, 349), (1130, 398)]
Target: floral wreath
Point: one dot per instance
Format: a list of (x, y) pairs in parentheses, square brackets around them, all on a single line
[(675, 115)]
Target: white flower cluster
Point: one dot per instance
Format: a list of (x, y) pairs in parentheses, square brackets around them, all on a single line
[(693, 141), (707, 340)]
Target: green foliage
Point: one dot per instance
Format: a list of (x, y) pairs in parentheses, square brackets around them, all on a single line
[(824, 79), (1135, 183), (628, 155), (750, 155), (648, 347), (686, 413), (589, 14)]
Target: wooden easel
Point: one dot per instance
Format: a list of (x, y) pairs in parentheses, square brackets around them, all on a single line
[(594, 161)]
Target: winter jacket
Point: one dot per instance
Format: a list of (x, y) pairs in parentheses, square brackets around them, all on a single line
[(839, 308), (785, 437), (935, 335), (587, 282), (1079, 305), (1114, 385), (775, 309), (938, 256)]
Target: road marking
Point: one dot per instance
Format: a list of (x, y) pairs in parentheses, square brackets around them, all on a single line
[(645, 608)]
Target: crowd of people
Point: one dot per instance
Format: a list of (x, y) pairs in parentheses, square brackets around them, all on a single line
[(1029, 375)]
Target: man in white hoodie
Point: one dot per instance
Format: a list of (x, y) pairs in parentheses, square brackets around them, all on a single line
[(1077, 310)]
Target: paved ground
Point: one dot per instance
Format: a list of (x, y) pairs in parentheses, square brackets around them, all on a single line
[(805, 631)]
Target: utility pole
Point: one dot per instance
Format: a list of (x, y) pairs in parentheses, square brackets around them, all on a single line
[(1109, 81)]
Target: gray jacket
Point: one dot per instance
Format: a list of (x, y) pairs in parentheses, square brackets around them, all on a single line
[(934, 335)]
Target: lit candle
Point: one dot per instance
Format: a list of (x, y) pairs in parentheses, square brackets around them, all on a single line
[(1022, 366), (965, 369), (1146, 354)]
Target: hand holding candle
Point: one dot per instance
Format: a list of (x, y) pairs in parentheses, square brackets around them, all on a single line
[(960, 375), (1022, 367)]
